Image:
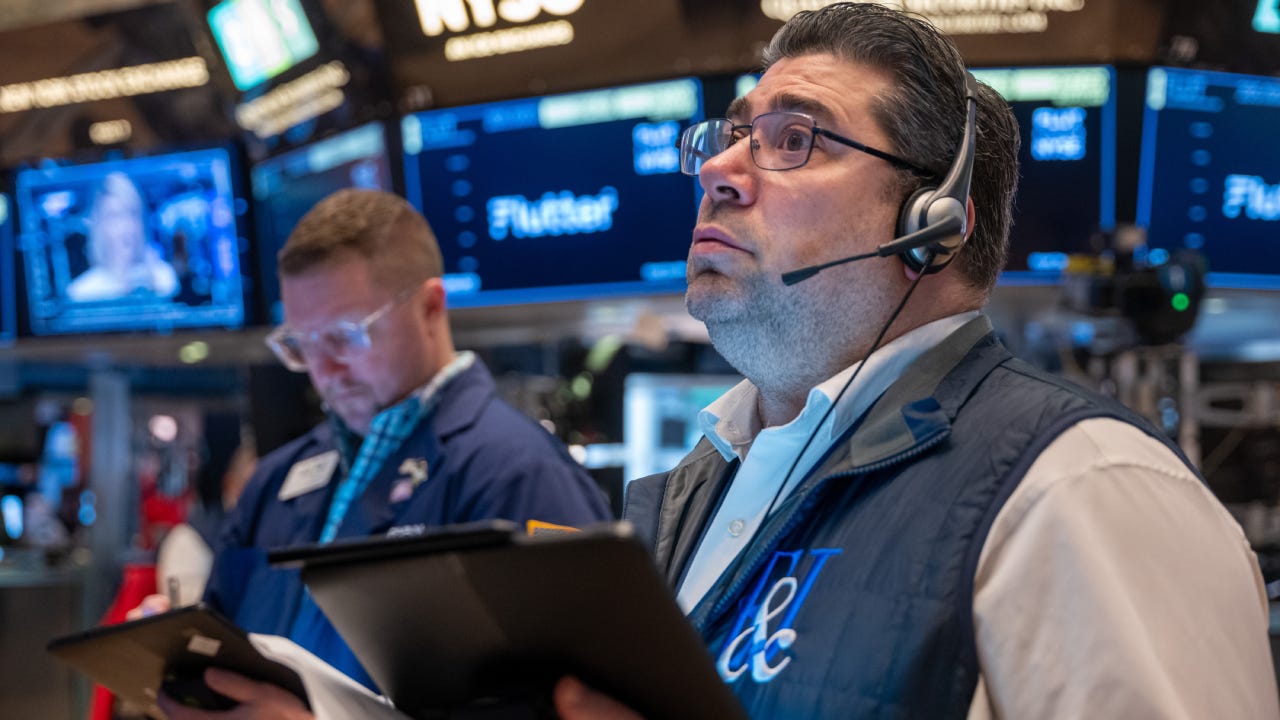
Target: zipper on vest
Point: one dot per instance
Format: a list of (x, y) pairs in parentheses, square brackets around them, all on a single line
[(798, 514)]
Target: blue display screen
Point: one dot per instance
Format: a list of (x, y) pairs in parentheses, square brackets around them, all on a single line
[(8, 296), (560, 197), (1210, 172), (147, 243), (1067, 163), (285, 187)]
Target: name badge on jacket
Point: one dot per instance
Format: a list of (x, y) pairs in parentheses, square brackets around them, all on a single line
[(310, 474)]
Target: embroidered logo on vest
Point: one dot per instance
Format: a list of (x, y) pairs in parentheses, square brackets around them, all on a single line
[(758, 642)]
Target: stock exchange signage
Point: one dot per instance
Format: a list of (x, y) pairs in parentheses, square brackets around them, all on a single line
[(472, 20), (449, 52), (1016, 32)]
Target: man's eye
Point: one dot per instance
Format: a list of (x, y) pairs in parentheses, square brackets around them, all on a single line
[(793, 139), (335, 339)]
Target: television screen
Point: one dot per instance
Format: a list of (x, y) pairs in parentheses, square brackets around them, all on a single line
[(561, 197), (1210, 172), (147, 243), (260, 39), (8, 296), (660, 424), (285, 187), (1066, 190)]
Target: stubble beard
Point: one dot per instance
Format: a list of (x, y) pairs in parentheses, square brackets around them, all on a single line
[(356, 407), (769, 335)]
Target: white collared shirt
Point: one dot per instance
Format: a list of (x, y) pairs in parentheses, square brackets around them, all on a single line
[(732, 424)]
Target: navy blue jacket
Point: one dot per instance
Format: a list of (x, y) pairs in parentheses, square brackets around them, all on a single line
[(855, 599), (484, 460)]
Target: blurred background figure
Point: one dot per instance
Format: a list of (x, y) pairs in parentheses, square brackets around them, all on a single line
[(122, 259)]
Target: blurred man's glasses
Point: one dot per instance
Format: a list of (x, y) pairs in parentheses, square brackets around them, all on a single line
[(343, 341), (779, 141)]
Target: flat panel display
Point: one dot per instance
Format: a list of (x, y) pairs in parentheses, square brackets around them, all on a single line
[(661, 418), (285, 187), (147, 243), (1067, 186), (1210, 172), (561, 197)]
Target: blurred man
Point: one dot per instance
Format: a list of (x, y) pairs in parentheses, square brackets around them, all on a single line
[(416, 435)]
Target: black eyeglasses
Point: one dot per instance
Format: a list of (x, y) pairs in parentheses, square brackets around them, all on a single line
[(779, 141)]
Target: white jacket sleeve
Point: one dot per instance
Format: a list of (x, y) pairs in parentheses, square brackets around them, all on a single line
[(1114, 585)]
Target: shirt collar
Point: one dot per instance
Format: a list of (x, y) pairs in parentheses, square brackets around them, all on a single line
[(732, 421)]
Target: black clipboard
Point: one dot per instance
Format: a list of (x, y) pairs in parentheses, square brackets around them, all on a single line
[(490, 615), (133, 659)]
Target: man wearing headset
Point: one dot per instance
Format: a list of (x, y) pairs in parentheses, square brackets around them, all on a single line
[(953, 534)]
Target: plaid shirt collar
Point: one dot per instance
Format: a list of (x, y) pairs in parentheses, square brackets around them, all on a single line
[(387, 432), (396, 422)]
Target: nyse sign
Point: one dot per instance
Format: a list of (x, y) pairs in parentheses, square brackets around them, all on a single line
[(459, 16)]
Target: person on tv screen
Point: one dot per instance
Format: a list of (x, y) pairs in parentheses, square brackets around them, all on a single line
[(122, 261), (416, 434)]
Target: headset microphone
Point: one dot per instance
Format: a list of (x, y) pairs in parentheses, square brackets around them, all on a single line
[(949, 227), (933, 221)]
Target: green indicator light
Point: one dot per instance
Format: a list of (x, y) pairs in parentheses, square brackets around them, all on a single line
[(1180, 302)]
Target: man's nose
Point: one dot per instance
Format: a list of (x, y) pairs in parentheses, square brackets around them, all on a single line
[(730, 176), (322, 364)]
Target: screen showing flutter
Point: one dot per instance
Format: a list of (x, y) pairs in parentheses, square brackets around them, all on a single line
[(1210, 172), (562, 197)]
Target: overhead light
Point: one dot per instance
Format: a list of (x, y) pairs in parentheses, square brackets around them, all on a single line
[(110, 132), (104, 84)]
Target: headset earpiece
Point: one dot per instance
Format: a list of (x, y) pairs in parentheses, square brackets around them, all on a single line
[(944, 206)]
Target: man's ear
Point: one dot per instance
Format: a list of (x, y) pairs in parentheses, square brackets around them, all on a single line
[(434, 296), (970, 217)]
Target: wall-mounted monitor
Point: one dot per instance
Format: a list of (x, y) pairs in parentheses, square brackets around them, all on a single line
[(285, 187), (660, 424), (148, 243), (1067, 186), (260, 39), (1210, 172), (8, 296), (562, 197)]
